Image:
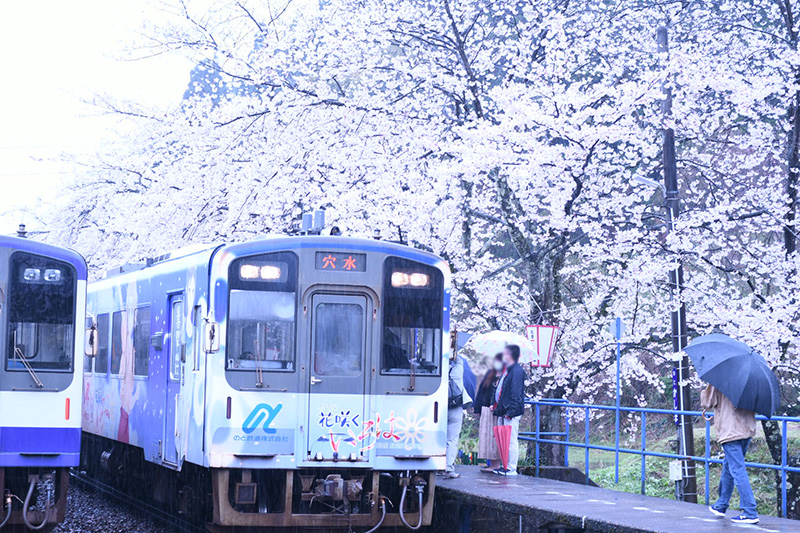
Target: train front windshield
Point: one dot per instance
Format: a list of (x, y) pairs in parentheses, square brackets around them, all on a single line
[(412, 327), (41, 314), (262, 313)]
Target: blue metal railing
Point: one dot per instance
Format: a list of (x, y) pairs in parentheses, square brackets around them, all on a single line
[(539, 437)]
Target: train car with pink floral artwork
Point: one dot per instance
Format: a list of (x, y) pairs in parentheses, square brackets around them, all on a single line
[(290, 381)]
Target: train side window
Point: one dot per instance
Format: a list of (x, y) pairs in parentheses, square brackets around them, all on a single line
[(116, 342), (141, 341), (137, 340), (197, 342), (101, 359), (412, 318), (175, 338), (338, 339)]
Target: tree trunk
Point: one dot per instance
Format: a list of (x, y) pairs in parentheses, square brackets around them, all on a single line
[(793, 161), (551, 420)]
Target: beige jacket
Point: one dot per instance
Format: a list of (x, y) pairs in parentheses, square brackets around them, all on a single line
[(731, 423)]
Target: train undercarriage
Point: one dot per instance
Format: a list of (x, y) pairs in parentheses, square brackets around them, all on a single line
[(33, 498), (232, 500), (321, 498)]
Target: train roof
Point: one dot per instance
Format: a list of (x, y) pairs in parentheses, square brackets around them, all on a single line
[(40, 248), (288, 242), (207, 251)]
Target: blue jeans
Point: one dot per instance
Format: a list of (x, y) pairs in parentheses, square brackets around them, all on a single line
[(734, 473)]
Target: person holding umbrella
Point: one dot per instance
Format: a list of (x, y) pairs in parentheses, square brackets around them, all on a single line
[(741, 384), (509, 405), (734, 427)]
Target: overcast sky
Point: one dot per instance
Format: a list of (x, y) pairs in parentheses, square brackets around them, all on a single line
[(56, 54)]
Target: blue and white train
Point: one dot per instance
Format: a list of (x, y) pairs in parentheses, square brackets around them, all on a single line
[(292, 381), (42, 305)]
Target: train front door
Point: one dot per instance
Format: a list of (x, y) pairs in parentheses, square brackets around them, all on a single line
[(177, 347), (338, 403)]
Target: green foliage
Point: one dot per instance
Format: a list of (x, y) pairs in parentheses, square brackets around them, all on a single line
[(657, 483)]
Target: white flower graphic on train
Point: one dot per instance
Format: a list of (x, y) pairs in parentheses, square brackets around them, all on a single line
[(411, 429)]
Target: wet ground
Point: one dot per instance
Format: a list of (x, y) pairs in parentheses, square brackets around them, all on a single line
[(493, 503), (482, 503)]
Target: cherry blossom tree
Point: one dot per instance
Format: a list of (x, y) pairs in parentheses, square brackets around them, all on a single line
[(507, 136)]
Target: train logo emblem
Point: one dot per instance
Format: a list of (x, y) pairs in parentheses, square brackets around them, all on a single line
[(262, 413)]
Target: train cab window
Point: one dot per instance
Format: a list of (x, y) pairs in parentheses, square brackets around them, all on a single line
[(101, 359), (141, 341), (338, 339), (412, 318), (262, 311), (41, 314), (262, 330)]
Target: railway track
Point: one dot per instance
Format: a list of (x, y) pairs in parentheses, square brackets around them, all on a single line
[(170, 522)]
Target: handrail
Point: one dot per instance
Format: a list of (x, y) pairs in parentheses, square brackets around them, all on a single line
[(551, 403), (539, 437)]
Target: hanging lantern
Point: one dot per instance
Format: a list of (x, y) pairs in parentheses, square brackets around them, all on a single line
[(544, 339)]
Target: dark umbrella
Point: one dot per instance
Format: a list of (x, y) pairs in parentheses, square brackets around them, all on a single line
[(737, 371), (470, 381)]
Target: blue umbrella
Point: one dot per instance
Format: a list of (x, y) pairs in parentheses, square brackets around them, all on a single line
[(737, 371), (469, 378)]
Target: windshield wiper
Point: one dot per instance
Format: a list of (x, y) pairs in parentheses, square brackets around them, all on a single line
[(412, 382), (259, 374), (18, 354)]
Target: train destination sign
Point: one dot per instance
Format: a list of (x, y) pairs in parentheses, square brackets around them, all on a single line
[(341, 261)]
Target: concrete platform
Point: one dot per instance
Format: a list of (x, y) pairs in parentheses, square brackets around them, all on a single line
[(486, 502)]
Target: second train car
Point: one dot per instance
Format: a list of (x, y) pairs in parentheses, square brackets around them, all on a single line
[(42, 299), (293, 381)]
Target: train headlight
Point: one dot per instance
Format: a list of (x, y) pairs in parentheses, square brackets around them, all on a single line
[(418, 280), (32, 274), (399, 279), (52, 275), (270, 272), (249, 272), (255, 272), (415, 279)]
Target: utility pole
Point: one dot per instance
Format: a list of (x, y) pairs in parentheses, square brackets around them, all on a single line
[(687, 487)]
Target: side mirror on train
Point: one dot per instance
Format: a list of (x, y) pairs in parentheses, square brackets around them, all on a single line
[(90, 341), (211, 337)]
